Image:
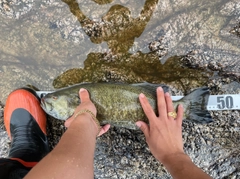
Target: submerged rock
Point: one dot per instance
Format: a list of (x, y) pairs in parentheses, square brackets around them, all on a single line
[(236, 30), (16, 8), (133, 68)]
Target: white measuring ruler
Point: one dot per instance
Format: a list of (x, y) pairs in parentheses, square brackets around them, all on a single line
[(215, 102), (220, 102)]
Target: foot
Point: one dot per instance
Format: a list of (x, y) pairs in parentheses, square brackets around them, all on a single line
[(25, 122)]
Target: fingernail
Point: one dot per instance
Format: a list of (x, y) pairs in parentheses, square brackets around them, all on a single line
[(141, 95), (160, 89), (167, 94), (82, 90), (138, 124), (180, 105)]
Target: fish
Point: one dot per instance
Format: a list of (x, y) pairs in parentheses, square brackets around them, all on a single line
[(118, 104)]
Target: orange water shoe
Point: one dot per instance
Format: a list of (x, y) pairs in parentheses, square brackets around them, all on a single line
[(25, 122)]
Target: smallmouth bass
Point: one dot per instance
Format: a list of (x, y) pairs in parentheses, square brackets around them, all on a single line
[(118, 104)]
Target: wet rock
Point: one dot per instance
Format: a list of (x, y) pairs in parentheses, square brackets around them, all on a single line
[(236, 30), (4, 139), (14, 9), (1, 116), (157, 47), (231, 88), (208, 34)]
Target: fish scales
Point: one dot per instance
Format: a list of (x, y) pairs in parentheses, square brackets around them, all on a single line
[(118, 104)]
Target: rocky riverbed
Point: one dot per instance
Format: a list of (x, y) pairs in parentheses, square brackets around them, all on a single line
[(182, 43)]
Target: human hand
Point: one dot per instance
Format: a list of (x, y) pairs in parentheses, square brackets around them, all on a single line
[(164, 133), (86, 104)]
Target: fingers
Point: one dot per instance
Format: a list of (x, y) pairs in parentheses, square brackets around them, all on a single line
[(84, 95), (180, 113), (144, 128), (147, 108), (162, 108), (170, 107), (104, 129)]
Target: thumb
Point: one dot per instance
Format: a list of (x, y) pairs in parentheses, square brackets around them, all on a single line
[(68, 122), (104, 129), (144, 128)]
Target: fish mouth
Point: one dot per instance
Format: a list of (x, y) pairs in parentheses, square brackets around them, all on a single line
[(43, 104), (48, 109)]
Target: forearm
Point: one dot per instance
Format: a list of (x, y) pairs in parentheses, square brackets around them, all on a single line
[(180, 166), (73, 156)]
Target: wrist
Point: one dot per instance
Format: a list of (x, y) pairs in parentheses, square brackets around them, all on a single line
[(180, 165), (172, 158), (93, 117), (84, 120)]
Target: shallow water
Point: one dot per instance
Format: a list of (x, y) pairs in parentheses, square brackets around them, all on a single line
[(130, 41), (39, 41)]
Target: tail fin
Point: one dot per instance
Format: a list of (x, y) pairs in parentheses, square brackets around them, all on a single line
[(195, 106)]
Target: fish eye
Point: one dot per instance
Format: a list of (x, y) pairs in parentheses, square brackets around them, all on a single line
[(54, 97)]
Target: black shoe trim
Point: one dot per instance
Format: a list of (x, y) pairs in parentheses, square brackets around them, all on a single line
[(31, 91), (10, 169), (29, 143)]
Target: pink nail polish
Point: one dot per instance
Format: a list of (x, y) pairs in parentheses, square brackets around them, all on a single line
[(141, 95), (82, 90), (138, 124), (160, 89)]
